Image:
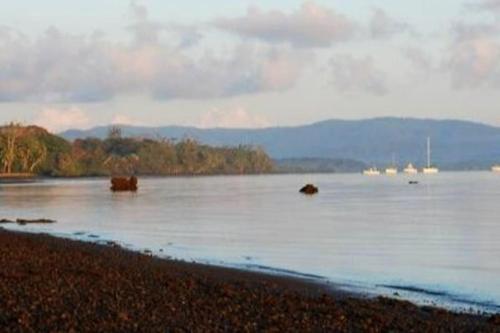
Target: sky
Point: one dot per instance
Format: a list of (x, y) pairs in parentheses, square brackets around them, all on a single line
[(247, 63)]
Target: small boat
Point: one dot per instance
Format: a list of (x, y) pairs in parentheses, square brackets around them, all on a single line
[(430, 169), (391, 171), (371, 172), (496, 168), (410, 169)]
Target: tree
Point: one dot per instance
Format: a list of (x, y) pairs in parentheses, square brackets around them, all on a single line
[(115, 132), (31, 153), (34, 150), (10, 135)]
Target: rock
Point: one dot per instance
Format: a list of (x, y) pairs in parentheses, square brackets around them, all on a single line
[(309, 189), (413, 182), (36, 221), (122, 184), (4, 221)]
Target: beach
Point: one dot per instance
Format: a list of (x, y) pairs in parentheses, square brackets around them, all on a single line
[(53, 284)]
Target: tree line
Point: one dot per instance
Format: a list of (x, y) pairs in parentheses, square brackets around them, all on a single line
[(33, 150)]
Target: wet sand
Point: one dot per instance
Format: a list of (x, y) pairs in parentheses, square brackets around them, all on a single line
[(51, 284)]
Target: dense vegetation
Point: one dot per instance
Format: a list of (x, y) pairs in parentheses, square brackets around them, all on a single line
[(455, 144), (33, 150)]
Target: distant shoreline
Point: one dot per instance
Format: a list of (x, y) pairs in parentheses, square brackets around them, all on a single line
[(44, 177), (60, 284)]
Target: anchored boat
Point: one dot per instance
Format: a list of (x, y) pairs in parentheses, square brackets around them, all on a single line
[(371, 172), (430, 169), (392, 170), (410, 169)]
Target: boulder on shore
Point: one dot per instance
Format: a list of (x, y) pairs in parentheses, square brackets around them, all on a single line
[(122, 184), (309, 189)]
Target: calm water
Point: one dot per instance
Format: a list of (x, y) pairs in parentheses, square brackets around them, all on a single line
[(438, 241)]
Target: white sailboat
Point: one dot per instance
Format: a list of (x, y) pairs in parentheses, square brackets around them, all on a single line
[(429, 169), (410, 169), (373, 171), (393, 169)]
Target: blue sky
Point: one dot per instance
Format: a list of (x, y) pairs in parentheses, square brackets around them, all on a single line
[(226, 63)]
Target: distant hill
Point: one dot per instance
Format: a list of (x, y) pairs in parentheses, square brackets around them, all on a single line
[(455, 144)]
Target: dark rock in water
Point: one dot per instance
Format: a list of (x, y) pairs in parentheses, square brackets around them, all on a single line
[(36, 221), (122, 184), (309, 189), (413, 182), (4, 221)]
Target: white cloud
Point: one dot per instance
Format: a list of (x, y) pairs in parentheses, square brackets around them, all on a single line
[(56, 120), (474, 63), (232, 118), (383, 26), (58, 67), (473, 57), (489, 5), (312, 25), (350, 74), (419, 58)]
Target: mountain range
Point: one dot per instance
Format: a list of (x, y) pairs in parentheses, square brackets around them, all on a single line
[(455, 144)]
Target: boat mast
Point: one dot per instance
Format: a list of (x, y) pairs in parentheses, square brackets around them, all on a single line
[(428, 151)]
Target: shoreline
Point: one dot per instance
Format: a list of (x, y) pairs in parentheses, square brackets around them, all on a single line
[(49, 283), (418, 295), (35, 177)]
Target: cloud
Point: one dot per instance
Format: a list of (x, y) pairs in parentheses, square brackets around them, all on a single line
[(474, 63), (473, 57), (235, 118), (422, 63), (383, 26), (249, 69), (144, 30), (350, 74), (311, 25), (419, 58), (462, 31), (56, 120), (55, 67), (489, 5), (59, 67)]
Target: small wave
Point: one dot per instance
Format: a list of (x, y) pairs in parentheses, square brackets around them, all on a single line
[(446, 297), (418, 290), (283, 271)]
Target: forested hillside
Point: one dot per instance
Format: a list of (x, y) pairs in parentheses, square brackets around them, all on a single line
[(33, 150), (455, 144)]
